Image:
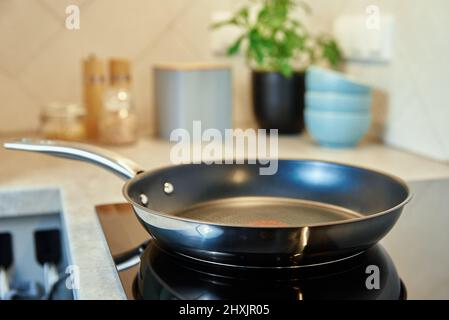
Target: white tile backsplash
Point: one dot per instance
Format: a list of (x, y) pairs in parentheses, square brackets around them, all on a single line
[(25, 27)]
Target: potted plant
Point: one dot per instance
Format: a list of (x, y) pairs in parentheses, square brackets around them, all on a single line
[(278, 50)]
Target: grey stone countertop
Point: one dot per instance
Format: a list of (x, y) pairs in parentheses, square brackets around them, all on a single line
[(417, 244)]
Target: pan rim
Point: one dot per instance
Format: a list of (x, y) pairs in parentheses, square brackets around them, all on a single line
[(397, 179)]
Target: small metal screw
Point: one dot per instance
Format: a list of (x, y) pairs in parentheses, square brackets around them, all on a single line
[(143, 199), (168, 188)]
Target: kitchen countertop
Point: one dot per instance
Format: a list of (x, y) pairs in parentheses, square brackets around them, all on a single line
[(83, 186)]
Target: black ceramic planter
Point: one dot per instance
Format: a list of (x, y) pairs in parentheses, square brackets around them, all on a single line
[(278, 101)]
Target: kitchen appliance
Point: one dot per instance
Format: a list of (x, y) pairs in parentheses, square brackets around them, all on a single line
[(164, 275), (309, 212), (6, 259), (33, 247), (48, 254)]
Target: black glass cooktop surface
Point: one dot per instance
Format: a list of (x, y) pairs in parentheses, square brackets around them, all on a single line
[(153, 273)]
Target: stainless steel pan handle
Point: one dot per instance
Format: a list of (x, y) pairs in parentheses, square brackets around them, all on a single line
[(111, 161)]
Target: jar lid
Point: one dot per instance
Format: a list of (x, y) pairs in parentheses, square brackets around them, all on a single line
[(63, 110), (191, 66)]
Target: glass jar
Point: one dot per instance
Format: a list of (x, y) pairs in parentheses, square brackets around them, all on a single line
[(63, 121), (118, 121)]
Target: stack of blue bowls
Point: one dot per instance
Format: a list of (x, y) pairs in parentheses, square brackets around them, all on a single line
[(338, 109)]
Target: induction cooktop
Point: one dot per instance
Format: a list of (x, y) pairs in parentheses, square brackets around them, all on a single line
[(147, 271)]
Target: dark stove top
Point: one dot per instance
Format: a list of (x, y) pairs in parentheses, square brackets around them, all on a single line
[(162, 275)]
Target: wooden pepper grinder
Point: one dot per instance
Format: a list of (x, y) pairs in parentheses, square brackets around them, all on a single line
[(94, 86)]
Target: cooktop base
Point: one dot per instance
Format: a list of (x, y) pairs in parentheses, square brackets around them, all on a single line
[(158, 274)]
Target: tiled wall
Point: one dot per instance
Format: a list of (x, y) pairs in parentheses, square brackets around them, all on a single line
[(40, 59)]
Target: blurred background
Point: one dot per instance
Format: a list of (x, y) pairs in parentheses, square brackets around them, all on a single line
[(40, 59)]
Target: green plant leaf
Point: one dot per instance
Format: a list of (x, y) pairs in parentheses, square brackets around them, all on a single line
[(244, 13), (307, 9), (255, 44), (330, 50), (235, 47), (276, 40), (230, 22), (286, 69)]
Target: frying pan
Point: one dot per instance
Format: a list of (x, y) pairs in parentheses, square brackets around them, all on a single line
[(310, 212)]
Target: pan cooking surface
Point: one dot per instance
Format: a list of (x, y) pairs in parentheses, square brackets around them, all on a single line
[(265, 212)]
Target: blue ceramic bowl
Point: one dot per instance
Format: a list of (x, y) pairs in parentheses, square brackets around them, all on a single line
[(319, 79), (337, 129), (332, 101)]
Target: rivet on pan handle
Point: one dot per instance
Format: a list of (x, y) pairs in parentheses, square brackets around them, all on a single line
[(143, 199), (168, 188)]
